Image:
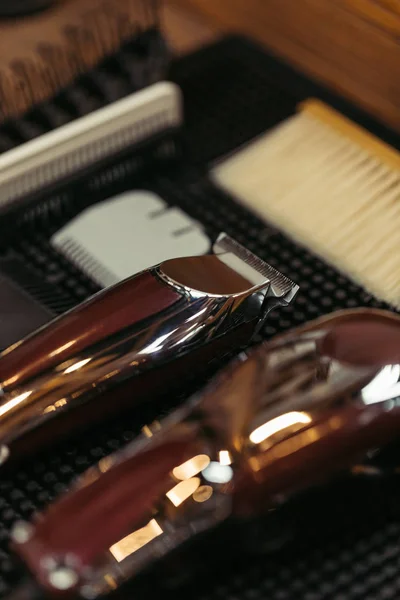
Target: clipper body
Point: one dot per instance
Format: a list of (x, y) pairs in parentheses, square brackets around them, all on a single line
[(150, 333), (283, 419)]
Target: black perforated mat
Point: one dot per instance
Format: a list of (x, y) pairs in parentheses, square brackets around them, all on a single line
[(343, 540)]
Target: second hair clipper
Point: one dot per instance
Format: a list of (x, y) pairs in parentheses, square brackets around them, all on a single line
[(279, 420)]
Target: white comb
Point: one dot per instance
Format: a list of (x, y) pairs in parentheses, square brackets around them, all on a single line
[(126, 234)]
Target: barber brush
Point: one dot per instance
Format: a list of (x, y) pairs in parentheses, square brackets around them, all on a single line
[(281, 419), (47, 44), (133, 341), (330, 185)]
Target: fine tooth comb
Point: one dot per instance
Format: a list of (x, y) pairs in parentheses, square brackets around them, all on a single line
[(128, 344), (70, 149), (286, 417), (330, 185)]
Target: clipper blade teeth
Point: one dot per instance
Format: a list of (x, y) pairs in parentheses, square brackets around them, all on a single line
[(282, 285)]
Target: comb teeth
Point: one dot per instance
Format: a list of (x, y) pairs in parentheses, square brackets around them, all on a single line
[(332, 187), (282, 285), (80, 144)]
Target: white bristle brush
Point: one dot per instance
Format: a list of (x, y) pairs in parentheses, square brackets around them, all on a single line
[(330, 185)]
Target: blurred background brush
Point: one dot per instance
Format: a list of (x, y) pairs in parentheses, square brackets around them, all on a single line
[(46, 44)]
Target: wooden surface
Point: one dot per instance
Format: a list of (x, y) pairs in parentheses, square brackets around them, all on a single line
[(384, 14), (352, 46), (186, 30)]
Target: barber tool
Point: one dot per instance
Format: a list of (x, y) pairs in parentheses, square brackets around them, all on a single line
[(48, 45), (64, 153), (149, 333), (330, 185), (283, 418), (123, 235)]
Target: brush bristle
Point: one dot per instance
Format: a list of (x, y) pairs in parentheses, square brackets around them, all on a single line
[(320, 183)]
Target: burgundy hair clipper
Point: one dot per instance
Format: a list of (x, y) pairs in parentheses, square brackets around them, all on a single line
[(152, 332), (279, 420)]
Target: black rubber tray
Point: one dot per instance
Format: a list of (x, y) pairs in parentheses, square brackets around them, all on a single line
[(232, 91)]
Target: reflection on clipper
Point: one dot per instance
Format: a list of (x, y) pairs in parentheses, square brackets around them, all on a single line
[(188, 487), (261, 433), (105, 464), (78, 365), (274, 425), (218, 473), (225, 457), (14, 402), (55, 406), (203, 493), (136, 540), (385, 386), (150, 430), (183, 490), (62, 348), (191, 467), (158, 344)]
